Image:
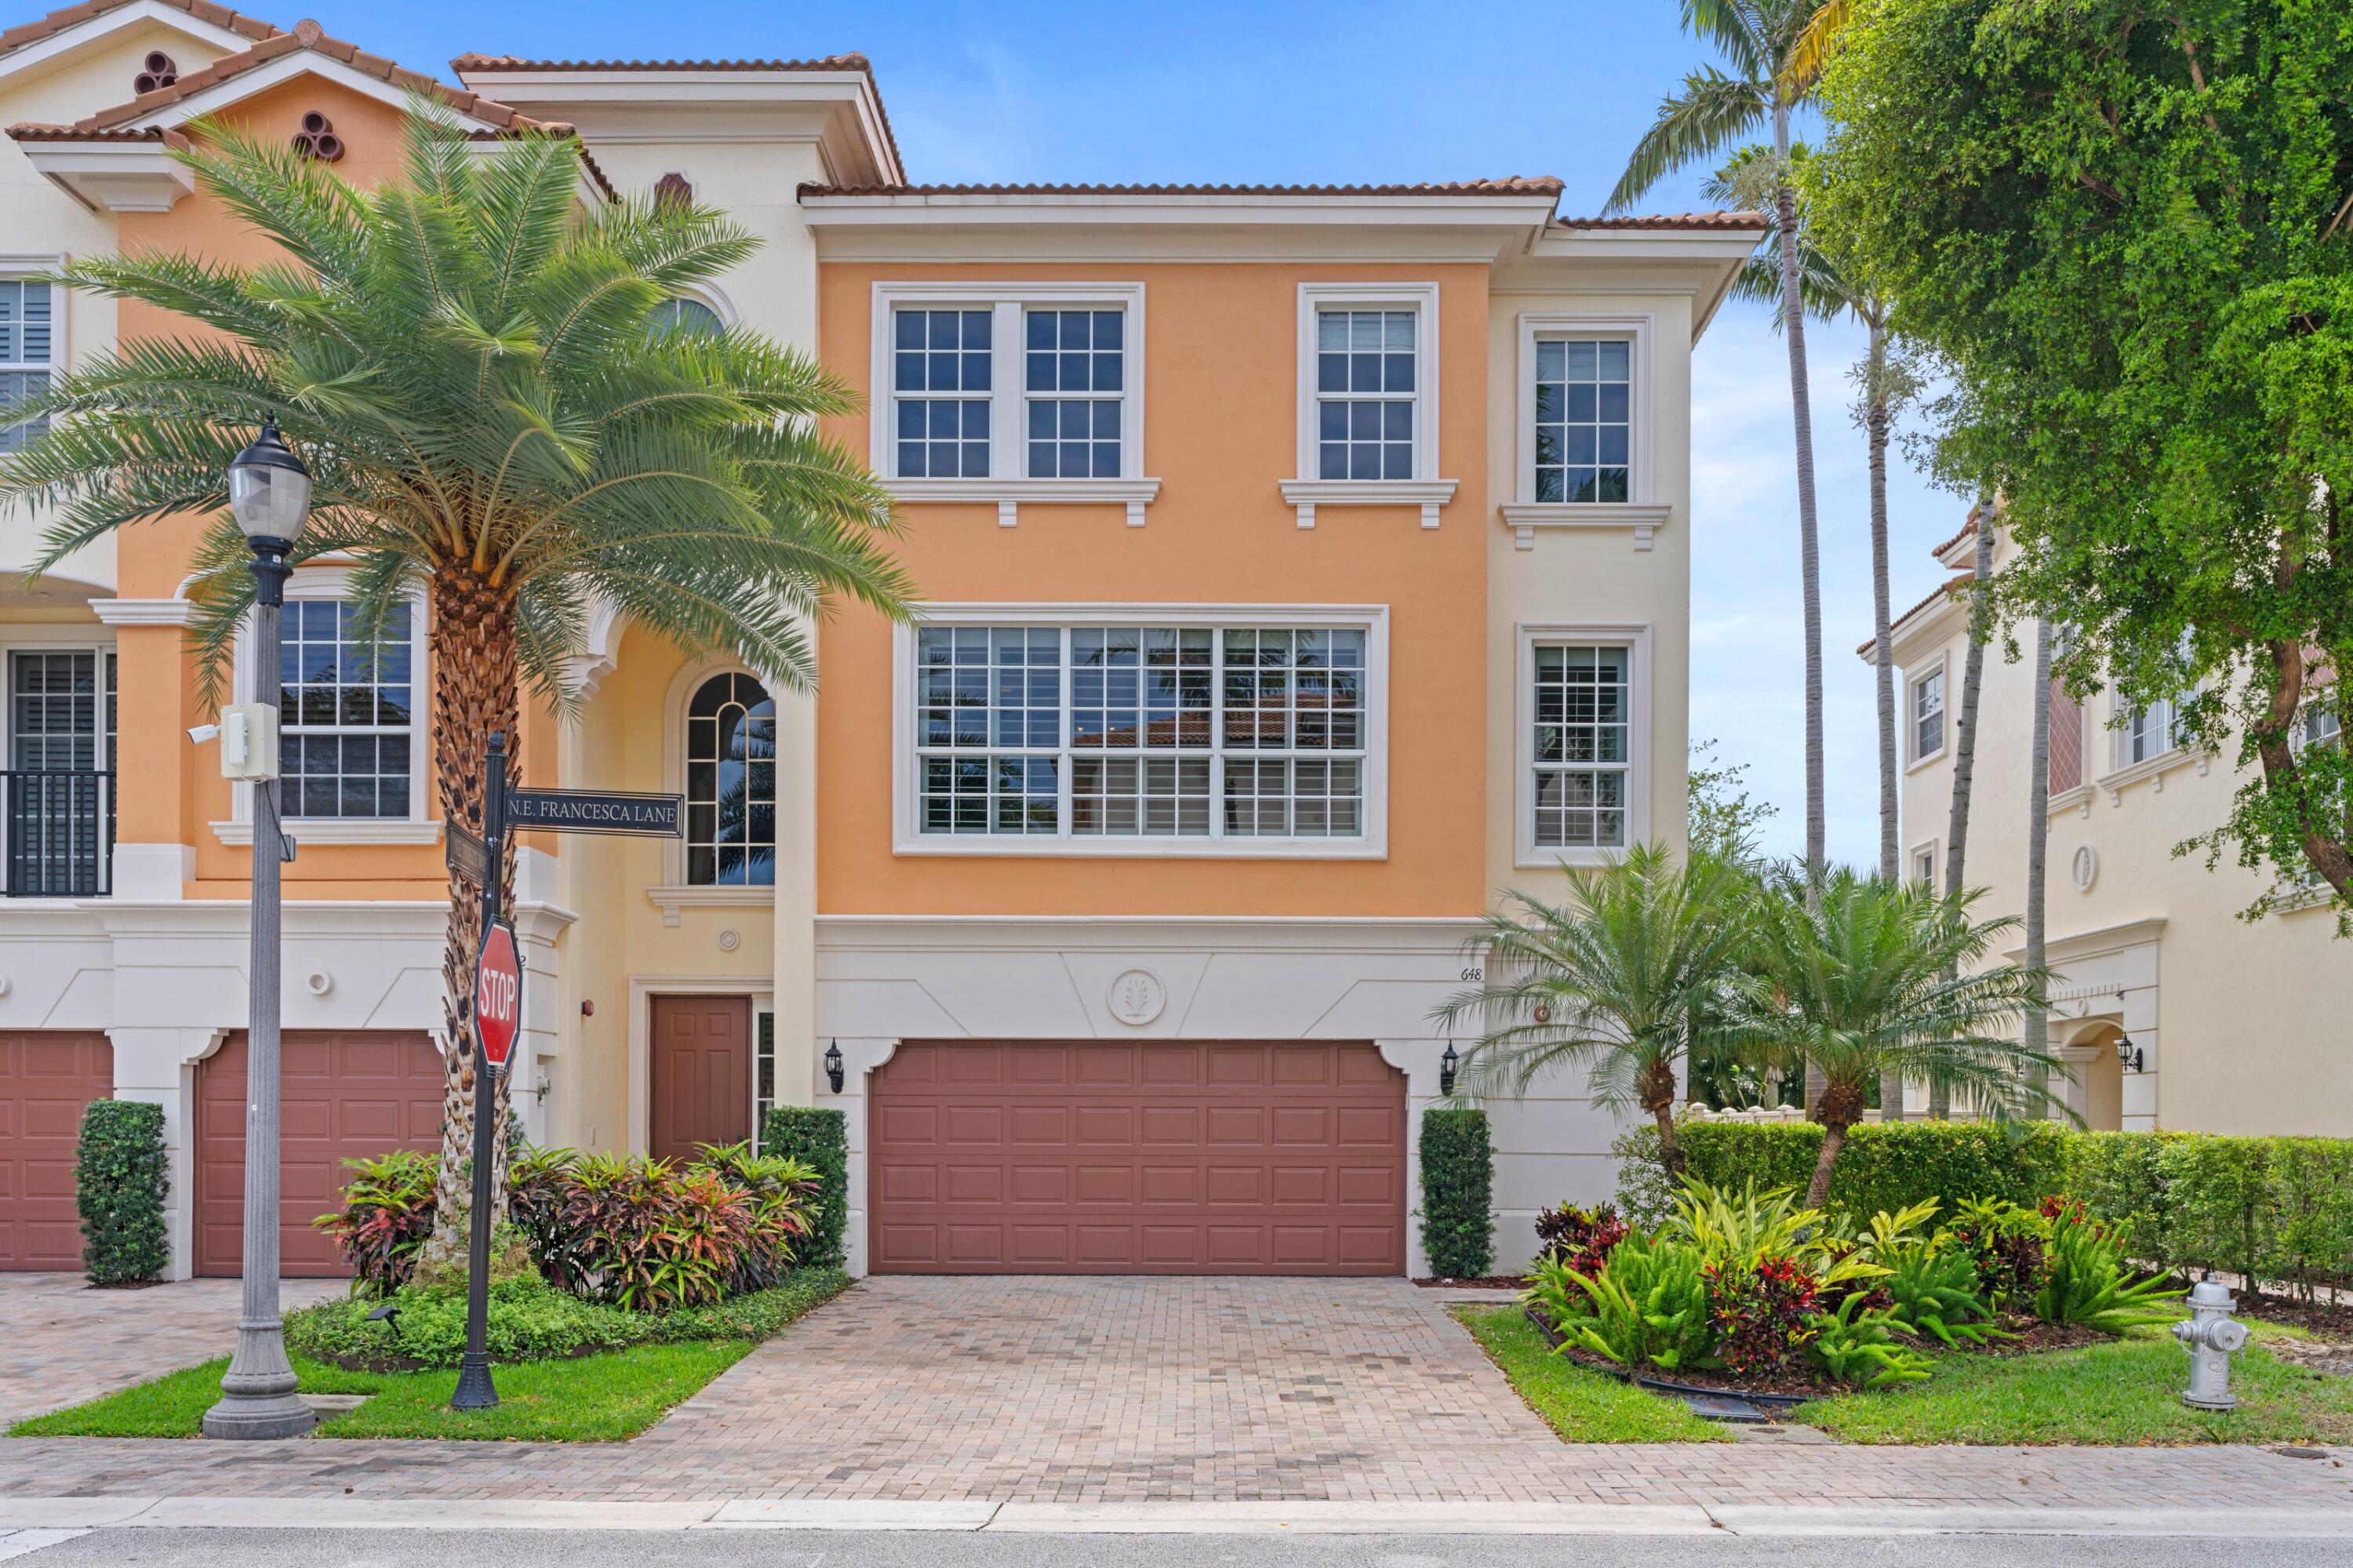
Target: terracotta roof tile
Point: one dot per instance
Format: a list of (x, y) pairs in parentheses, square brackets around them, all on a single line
[(1704, 220), (29, 131), (1513, 185), (56, 22), (1954, 587)]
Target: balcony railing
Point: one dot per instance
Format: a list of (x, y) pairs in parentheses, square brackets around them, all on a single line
[(59, 827)]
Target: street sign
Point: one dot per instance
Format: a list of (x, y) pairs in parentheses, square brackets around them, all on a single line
[(498, 994), (467, 856), (596, 811)]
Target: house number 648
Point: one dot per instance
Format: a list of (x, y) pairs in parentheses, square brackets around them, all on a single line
[(1474, 973)]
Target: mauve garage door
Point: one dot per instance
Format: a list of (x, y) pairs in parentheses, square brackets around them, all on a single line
[(1016, 1158), (46, 1079), (341, 1095)]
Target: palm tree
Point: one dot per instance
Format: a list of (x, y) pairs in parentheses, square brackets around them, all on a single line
[(468, 362), (2036, 1034), (1983, 518), (1713, 113), (1878, 976), (1612, 979)]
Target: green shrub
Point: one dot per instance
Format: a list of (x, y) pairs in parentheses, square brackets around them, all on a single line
[(387, 1215), (1647, 1307), (1883, 1166), (120, 1179), (2008, 1244), (1856, 1344), (1458, 1183), (2088, 1281), (819, 1138), (630, 1230)]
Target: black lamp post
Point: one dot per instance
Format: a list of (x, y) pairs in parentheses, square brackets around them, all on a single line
[(1446, 1065), (833, 1064), (270, 492)]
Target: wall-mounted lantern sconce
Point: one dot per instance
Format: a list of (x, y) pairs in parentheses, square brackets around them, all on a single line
[(1446, 1065), (2128, 1055), (833, 1064)]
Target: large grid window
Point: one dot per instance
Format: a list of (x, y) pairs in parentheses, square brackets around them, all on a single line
[(61, 710), (1928, 714), (939, 380), (730, 784), (1366, 389), (1074, 375), (1584, 418), (25, 343), (1098, 731), (1584, 707), (345, 713)]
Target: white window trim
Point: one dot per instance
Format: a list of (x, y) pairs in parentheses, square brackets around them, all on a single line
[(1641, 512), (1425, 490), (1912, 863), (1373, 844), (2153, 768), (418, 827), (1008, 485), (1909, 714), (1634, 636), (53, 637), (29, 266), (674, 892)]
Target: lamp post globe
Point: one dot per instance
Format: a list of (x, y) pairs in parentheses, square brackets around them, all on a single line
[(270, 492)]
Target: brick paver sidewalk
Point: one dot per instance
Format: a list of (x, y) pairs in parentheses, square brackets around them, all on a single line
[(1133, 1390)]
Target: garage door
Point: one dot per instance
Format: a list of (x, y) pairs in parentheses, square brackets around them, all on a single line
[(1134, 1159), (46, 1079), (344, 1094)]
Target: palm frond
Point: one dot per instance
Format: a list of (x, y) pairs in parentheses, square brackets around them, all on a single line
[(1712, 111)]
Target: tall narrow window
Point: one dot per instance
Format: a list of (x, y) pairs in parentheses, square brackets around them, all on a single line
[(25, 348), (1365, 388), (1928, 714), (59, 827), (1584, 418), (345, 709), (730, 784), (763, 1071), (2146, 733), (1074, 372), (940, 379), (1583, 725)]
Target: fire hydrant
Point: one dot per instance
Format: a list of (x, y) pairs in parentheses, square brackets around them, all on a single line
[(2209, 1334)]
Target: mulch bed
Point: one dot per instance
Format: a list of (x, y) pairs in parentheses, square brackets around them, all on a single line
[(1484, 1282), (2332, 1319), (2034, 1336)]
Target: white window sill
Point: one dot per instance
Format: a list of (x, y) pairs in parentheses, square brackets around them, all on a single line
[(1143, 849), (1010, 494), (2079, 799), (670, 900), (1917, 763), (1642, 518), (1555, 859), (1307, 495), (338, 831), (2154, 770)]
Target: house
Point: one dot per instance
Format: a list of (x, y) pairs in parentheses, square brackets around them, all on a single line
[(1302, 565), (2171, 1010)]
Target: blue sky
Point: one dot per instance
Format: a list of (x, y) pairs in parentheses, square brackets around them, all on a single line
[(1361, 93)]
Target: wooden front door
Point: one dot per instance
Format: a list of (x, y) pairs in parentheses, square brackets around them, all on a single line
[(701, 1073)]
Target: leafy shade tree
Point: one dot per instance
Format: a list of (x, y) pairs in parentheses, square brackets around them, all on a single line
[(1724, 819), (473, 367), (1882, 977), (2129, 232), (1610, 979), (1713, 112)]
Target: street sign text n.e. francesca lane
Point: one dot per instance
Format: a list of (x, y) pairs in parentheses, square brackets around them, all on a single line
[(596, 811)]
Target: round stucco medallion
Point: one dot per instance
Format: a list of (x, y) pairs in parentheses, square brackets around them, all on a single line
[(317, 982), (1136, 997), (2085, 868), (730, 940)]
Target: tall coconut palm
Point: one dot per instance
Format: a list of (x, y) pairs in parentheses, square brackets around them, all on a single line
[(1713, 113), (1870, 975), (472, 363), (1613, 980), (1982, 520), (2037, 1033)]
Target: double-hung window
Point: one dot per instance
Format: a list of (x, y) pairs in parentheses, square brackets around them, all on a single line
[(1068, 734), (2146, 733), (344, 710), (1073, 376), (1367, 393), (1582, 745), (26, 344), (941, 376), (1928, 714), (1584, 418)]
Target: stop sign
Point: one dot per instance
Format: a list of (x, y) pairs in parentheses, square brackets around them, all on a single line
[(498, 993)]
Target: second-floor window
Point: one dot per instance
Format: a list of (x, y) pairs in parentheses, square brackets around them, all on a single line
[(1928, 714), (939, 380), (731, 783), (345, 714), (25, 346), (1073, 376), (1367, 386), (2145, 733), (1584, 418), (1012, 388), (1583, 761)]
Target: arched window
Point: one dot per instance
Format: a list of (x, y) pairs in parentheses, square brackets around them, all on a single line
[(682, 314), (730, 784)]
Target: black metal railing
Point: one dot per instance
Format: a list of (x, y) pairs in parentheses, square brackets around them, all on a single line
[(61, 832)]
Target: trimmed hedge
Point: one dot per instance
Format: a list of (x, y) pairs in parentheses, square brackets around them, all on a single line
[(1883, 1166), (818, 1136), (2272, 1209), (1458, 1185), (120, 1179)]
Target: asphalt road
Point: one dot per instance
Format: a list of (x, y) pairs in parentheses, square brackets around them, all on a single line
[(781, 1549)]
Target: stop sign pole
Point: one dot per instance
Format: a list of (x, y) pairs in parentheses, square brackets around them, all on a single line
[(497, 1009)]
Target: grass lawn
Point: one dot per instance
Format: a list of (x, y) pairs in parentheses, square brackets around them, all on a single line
[(1581, 1405), (2127, 1393)]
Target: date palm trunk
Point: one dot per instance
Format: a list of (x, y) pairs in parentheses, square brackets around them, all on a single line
[(474, 696), (1840, 1108), (1965, 735), (1875, 422)]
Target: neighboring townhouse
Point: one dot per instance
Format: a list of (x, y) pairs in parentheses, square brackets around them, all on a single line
[(2171, 1009), (1302, 566)]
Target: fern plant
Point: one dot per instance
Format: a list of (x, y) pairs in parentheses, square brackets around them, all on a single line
[(2090, 1283), (1933, 1287), (1857, 1345), (1647, 1309)]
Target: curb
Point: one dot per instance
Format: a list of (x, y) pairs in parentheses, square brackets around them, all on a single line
[(1355, 1518)]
